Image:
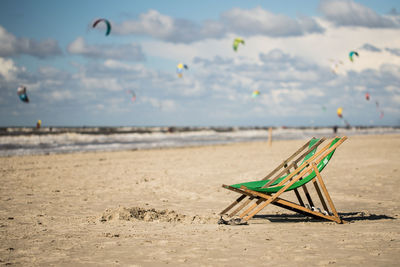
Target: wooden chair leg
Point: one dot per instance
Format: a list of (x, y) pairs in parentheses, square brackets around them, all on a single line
[(234, 203), (298, 197), (321, 197), (233, 213), (277, 194), (308, 196), (252, 207), (328, 197), (286, 204), (295, 207)]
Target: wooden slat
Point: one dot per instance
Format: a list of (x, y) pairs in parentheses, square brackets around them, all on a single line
[(251, 197), (338, 143), (303, 165), (284, 204), (234, 203), (252, 207), (244, 204), (298, 197), (326, 149), (237, 190), (328, 197), (309, 150), (294, 206), (308, 196), (277, 194), (285, 162), (295, 167), (241, 192), (321, 197), (294, 163)]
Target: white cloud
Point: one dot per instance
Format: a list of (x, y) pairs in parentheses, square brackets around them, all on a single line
[(292, 71), (396, 99), (369, 47), (247, 22), (96, 83), (221, 93), (152, 23), (393, 88), (168, 105), (390, 71), (393, 51), (162, 104), (13, 46), (360, 88), (258, 21), (161, 26), (283, 95), (130, 52), (8, 69), (100, 106), (61, 95), (350, 13), (118, 65), (334, 44)]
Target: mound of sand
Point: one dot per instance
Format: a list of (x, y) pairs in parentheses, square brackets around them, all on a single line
[(150, 215)]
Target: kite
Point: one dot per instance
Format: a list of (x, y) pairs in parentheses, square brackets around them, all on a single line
[(255, 94), (21, 91), (179, 69), (106, 22), (339, 112), (133, 94), (236, 43), (351, 54), (367, 96)]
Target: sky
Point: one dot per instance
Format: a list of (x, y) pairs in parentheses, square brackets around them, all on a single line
[(296, 54)]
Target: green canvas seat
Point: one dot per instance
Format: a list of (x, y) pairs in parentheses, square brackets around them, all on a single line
[(268, 190), (258, 185)]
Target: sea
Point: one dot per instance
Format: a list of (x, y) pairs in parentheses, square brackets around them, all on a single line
[(54, 140)]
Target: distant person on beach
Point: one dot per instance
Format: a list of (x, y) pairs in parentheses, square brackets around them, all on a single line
[(335, 129)]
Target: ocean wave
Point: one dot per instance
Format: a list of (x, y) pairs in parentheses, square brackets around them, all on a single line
[(28, 141)]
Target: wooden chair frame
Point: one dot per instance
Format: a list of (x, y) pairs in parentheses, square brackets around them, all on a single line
[(285, 166), (263, 199)]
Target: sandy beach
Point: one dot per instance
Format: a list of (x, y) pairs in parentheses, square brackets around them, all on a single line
[(160, 207)]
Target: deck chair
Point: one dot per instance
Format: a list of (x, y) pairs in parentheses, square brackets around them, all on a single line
[(281, 169), (257, 195)]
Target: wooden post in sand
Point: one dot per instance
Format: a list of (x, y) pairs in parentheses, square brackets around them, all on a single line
[(270, 136)]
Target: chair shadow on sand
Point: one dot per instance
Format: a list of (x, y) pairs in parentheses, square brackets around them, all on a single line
[(349, 217)]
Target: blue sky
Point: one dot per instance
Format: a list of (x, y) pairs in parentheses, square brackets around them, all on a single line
[(295, 54)]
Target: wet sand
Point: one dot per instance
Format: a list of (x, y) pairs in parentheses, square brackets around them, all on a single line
[(160, 207)]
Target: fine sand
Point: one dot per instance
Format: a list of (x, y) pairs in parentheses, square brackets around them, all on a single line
[(160, 207)]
